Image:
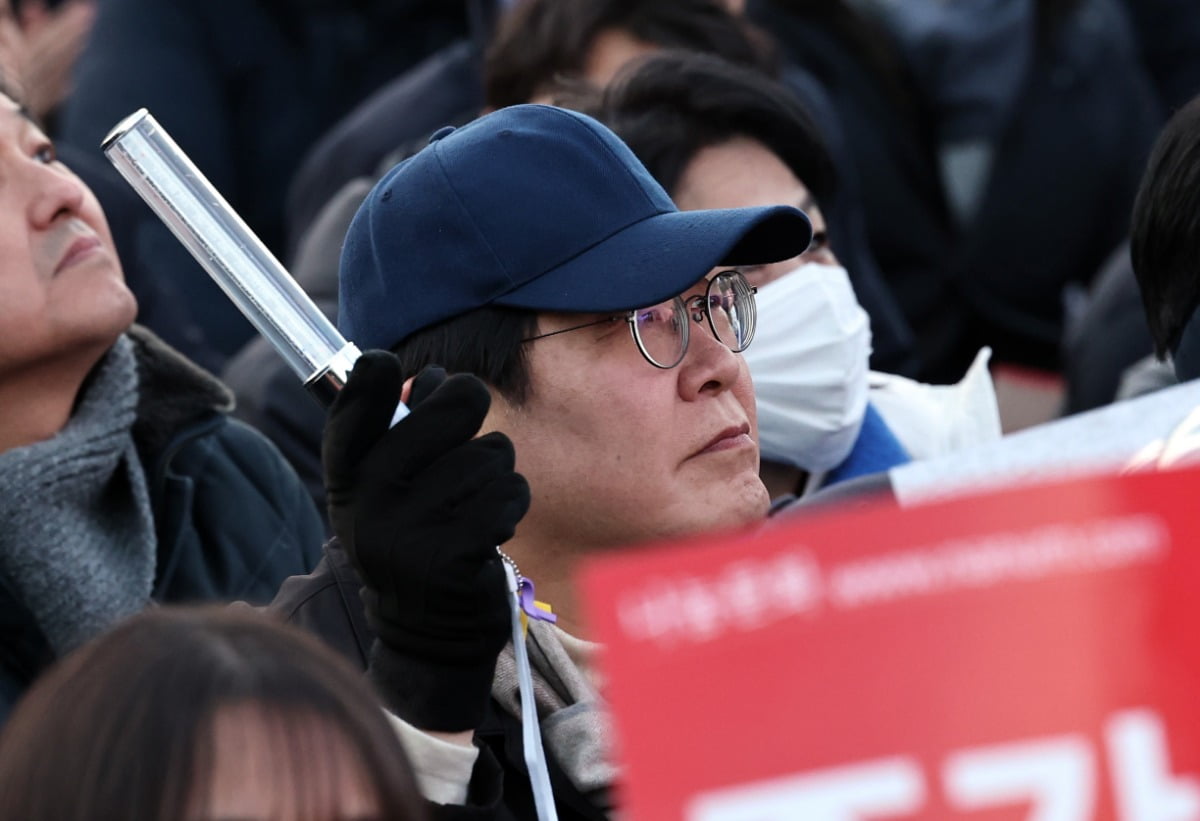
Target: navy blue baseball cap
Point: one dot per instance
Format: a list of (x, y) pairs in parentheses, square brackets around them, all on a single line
[(534, 207)]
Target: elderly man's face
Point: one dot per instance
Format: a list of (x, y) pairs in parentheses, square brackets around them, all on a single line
[(617, 451), (62, 292)]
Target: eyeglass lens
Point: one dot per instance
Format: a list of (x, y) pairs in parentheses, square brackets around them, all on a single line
[(731, 310), (661, 331)]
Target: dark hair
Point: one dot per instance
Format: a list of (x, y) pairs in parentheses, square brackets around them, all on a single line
[(1165, 231), (668, 107), (542, 43), (486, 342), (125, 726)]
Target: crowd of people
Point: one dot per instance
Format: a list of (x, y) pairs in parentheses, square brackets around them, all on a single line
[(639, 270)]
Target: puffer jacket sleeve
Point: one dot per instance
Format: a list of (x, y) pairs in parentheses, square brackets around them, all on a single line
[(233, 519)]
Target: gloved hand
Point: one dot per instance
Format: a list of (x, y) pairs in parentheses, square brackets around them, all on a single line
[(420, 510)]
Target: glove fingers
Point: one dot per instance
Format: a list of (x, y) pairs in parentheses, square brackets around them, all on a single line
[(495, 510), (446, 496), (443, 420), (471, 529), (360, 414), (482, 618), (426, 383), (502, 505), (459, 474)]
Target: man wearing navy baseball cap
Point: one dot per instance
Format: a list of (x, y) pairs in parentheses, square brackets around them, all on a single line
[(597, 398)]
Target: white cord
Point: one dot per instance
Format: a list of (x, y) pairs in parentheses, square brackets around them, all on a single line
[(531, 734)]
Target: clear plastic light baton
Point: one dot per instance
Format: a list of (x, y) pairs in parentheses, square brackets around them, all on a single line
[(234, 257), (262, 289)]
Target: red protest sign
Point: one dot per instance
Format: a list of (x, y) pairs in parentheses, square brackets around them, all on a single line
[(1022, 655)]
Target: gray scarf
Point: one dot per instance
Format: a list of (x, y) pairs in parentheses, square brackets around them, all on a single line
[(76, 531), (574, 719)]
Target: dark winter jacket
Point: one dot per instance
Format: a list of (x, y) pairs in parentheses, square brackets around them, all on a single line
[(1107, 338), (1168, 32), (232, 521)]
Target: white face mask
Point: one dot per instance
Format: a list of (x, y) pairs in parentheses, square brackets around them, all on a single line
[(809, 365)]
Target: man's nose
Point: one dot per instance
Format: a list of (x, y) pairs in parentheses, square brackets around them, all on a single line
[(56, 193), (708, 366)]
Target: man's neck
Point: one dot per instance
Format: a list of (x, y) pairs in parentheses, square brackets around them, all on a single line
[(37, 403), (552, 573)]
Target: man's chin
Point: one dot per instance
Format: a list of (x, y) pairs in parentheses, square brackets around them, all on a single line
[(740, 503), (749, 495)]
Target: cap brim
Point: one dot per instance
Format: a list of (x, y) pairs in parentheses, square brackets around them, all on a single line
[(662, 256)]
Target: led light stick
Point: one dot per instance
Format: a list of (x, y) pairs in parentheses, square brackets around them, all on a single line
[(262, 289), (234, 257)]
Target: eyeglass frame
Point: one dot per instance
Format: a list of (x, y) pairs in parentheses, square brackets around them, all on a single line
[(705, 304)]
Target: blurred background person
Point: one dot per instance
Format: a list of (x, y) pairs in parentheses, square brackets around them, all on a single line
[(203, 714), (42, 40), (883, 135), (1168, 35), (1010, 134)]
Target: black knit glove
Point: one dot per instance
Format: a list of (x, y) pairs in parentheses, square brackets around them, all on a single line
[(420, 510)]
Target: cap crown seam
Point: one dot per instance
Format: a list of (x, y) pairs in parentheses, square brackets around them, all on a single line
[(624, 166), (577, 120), (483, 238)]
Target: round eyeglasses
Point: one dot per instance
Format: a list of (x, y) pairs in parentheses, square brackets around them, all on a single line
[(662, 331)]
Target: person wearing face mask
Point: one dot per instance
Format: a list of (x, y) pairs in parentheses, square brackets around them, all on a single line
[(718, 136)]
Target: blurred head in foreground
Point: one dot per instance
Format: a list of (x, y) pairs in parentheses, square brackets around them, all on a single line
[(203, 714)]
